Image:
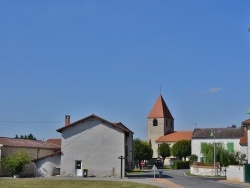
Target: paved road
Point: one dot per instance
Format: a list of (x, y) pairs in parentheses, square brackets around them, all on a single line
[(177, 179)]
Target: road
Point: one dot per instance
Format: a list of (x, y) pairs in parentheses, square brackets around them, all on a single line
[(176, 178)]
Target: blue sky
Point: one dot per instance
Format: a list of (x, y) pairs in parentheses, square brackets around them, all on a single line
[(111, 57)]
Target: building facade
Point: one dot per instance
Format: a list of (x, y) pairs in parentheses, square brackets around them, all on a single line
[(94, 144)]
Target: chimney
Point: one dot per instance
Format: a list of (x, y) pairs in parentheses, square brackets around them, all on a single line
[(67, 120)]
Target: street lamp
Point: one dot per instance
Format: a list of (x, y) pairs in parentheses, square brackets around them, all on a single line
[(213, 134)]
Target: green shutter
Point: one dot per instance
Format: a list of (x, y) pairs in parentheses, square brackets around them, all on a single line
[(230, 147)]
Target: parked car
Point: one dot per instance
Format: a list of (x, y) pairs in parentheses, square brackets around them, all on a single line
[(159, 163)]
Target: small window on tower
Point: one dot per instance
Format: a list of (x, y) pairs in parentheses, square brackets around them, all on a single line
[(155, 122)]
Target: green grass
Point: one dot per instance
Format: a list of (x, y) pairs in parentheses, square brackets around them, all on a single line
[(46, 183)]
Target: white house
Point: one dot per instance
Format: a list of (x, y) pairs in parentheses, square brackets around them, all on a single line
[(95, 144), (230, 137)]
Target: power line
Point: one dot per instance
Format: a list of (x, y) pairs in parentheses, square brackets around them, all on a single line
[(11, 121)]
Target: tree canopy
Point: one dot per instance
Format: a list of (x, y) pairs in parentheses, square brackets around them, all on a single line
[(164, 151), (29, 137), (16, 162), (181, 149), (142, 151)]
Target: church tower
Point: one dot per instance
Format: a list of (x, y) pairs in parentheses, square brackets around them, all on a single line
[(159, 123)]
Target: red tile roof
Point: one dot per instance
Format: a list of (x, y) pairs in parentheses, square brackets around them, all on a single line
[(243, 139), (246, 122), (118, 125), (176, 136), (12, 142), (160, 110), (55, 141)]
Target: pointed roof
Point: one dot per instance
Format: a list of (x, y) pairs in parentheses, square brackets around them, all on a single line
[(118, 125), (160, 110)]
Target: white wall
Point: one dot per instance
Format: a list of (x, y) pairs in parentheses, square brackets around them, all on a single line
[(97, 144), (248, 144), (236, 173), (48, 166), (196, 145)]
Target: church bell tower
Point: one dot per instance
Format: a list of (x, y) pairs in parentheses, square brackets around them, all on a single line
[(159, 123)]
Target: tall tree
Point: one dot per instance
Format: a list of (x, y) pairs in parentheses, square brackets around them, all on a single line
[(181, 149), (164, 151), (142, 151)]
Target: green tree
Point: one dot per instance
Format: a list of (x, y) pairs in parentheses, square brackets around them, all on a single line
[(142, 151), (181, 149), (193, 158), (29, 137), (16, 162), (164, 151), (221, 155)]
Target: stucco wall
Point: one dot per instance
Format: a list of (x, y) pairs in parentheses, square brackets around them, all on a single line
[(248, 147), (236, 173), (196, 145), (48, 166), (206, 171), (97, 144)]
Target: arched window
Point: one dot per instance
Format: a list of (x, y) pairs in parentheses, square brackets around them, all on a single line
[(155, 122)]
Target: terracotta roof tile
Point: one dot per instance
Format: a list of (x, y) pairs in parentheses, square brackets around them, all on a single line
[(246, 122), (243, 139), (176, 136), (160, 110), (55, 141), (12, 142)]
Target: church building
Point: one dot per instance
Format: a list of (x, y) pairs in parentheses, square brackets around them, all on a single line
[(160, 127)]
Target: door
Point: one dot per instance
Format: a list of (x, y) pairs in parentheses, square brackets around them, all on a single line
[(79, 168), (247, 173)]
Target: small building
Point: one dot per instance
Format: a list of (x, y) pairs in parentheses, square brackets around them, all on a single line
[(36, 149), (94, 144), (229, 137)]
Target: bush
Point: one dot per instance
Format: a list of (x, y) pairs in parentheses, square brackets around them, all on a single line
[(181, 165), (193, 158), (16, 161)]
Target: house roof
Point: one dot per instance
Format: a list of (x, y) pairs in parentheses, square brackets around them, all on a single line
[(55, 141), (12, 142), (243, 139), (219, 133), (246, 122), (176, 136), (160, 110), (51, 155), (118, 125)]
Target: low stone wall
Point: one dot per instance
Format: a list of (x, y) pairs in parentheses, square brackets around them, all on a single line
[(207, 170), (236, 173)]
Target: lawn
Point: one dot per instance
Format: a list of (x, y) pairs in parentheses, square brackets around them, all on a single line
[(46, 183)]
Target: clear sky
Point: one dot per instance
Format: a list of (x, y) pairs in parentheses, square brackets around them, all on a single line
[(111, 57)]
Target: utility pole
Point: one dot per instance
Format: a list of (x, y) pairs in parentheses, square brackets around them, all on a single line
[(121, 157)]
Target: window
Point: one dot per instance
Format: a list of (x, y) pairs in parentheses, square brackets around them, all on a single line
[(202, 160), (155, 122), (230, 147)]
